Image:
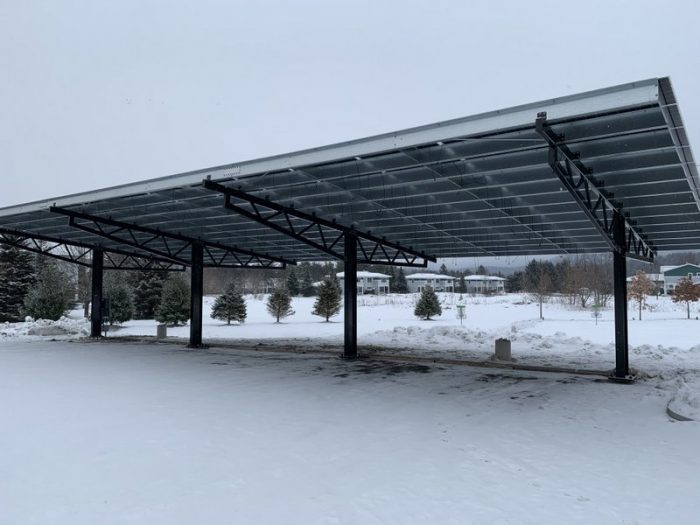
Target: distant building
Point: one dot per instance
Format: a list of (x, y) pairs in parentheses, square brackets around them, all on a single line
[(668, 279), (487, 284), (438, 282), (673, 274), (367, 283)]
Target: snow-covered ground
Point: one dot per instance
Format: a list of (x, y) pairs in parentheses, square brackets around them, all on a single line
[(127, 432), (157, 434)]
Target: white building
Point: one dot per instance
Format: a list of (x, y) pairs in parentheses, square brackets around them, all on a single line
[(367, 283), (669, 277), (438, 282), (485, 284)]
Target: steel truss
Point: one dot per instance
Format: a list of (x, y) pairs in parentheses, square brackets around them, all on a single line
[(82, 254), (170, 246), (598, 204), (327, 234)]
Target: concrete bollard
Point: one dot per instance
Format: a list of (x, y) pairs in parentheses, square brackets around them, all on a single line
[(162, 332), (503, 350)]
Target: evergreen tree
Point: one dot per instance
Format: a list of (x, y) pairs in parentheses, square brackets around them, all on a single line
[(147, 291), (686, 292), (279, 304), (230, 306), (462, 285), (401, 283), (174, 307), (392, 279), (443, 269), (328, 301), (514, 282), (293, 283), (428, 304), (307, 283), (119, 293), (50, 295), (481, 270), (16, 277)]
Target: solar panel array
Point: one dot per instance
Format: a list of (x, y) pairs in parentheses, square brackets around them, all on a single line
[(479, 186)]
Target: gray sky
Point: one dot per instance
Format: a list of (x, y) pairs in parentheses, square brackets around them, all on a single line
[(95, 94)]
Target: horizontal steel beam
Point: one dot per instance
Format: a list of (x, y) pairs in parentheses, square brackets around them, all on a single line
[(145, 238), (81, 253), (327, 234)]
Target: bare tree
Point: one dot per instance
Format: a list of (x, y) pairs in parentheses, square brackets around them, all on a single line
[(538, 282), (639, 288)]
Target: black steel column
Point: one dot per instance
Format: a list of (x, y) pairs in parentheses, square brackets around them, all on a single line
[(620, 285), (350, 296), (196, 293), (96, 293)]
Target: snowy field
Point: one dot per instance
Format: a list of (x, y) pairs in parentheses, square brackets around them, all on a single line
[(131, 432)]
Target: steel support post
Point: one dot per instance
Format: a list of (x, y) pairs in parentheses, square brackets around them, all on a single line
[(196, 293), (620, 285), (96, 293), (350, 296)]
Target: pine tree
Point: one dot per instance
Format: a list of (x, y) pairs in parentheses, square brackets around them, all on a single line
[(686, 292), (16, 277), (462, 285), (118, 292), (50, 295), (428, 304), (147, 293), (174, 307), (639, 288), (392, 279), (307, 284), (279, 304), (328, 301), (443, 269), (401, 283), (293, 283), (230, 306)]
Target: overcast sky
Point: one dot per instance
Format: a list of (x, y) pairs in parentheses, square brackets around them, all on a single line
[(94, 94)]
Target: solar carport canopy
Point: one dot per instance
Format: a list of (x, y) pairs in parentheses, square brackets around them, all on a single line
[(477, 186)]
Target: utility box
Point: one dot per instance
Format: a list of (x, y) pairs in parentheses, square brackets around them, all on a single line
[(162, 332), (503, 350)]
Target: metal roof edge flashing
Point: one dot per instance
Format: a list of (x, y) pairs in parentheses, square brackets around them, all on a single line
[(674, 120), (618, 97)]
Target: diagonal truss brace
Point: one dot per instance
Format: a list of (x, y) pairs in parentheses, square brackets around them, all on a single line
[(322, 234), (598, 204), (81, 254), (170, 246)]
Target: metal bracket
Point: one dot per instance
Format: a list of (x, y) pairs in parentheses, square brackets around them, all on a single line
[(322, 234), (596, 203), (81, 254), (169, 246)]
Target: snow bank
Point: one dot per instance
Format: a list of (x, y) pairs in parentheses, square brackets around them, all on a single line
[(686, 401), (65, 326)]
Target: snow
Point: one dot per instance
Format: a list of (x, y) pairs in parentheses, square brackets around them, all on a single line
[(364, 274), (133, 433), (476, 277), (439, 276), (65, 326), (130, 432)]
